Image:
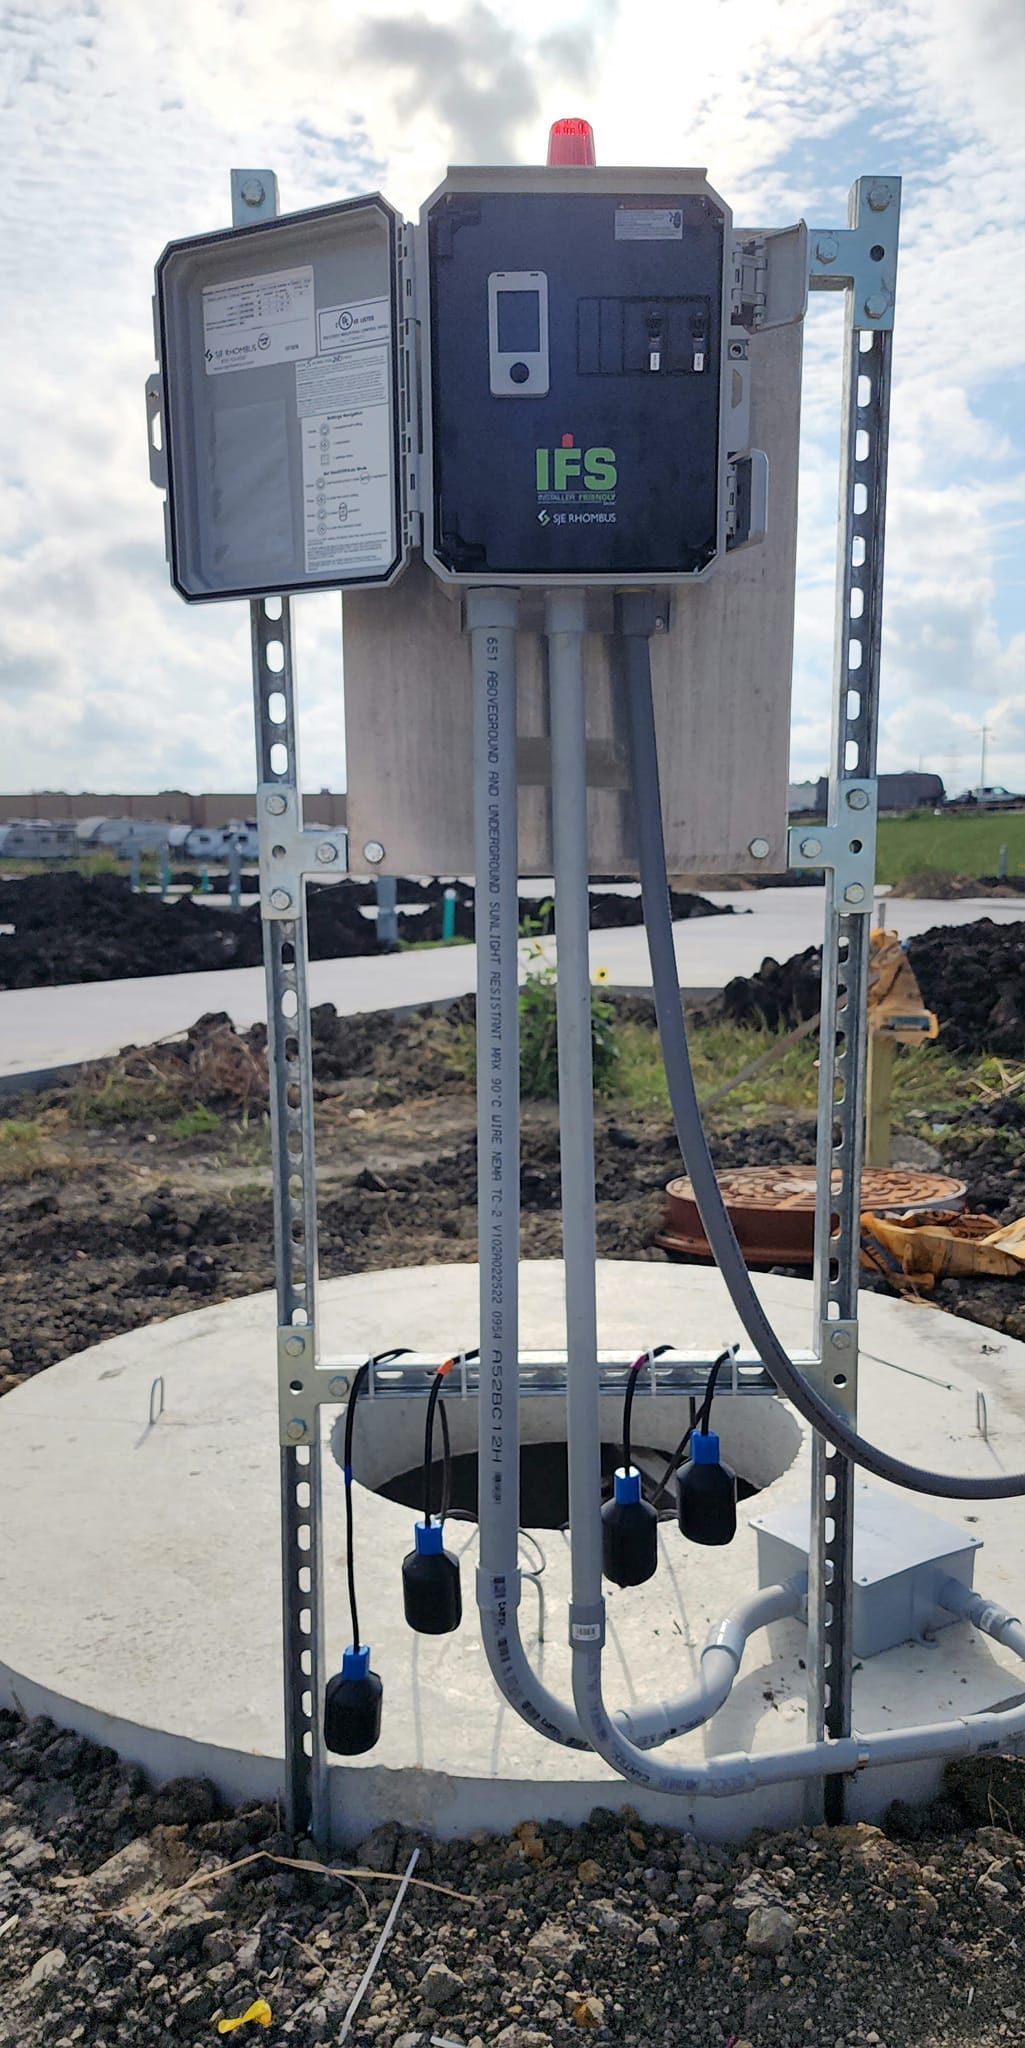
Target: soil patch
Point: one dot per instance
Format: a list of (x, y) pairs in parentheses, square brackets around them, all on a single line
[(122, 1921)]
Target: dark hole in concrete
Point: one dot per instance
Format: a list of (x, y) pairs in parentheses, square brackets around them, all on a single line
[(544, 1482)]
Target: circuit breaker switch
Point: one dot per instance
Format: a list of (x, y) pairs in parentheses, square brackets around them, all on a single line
[(655, 326)]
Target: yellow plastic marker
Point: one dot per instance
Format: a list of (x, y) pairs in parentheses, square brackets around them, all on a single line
[(260, 2012)]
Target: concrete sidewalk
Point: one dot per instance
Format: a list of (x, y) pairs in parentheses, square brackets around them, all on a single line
[(46, 1028)]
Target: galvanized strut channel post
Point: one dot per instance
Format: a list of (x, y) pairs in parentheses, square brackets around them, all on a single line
[(861, 260), (290, 1069)]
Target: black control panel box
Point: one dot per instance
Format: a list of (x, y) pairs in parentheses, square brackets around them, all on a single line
[(575, 350)]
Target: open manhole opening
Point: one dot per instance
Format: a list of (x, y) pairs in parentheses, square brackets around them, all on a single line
[(546, 1481)]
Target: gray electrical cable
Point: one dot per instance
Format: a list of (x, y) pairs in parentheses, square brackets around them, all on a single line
[(634, 615)]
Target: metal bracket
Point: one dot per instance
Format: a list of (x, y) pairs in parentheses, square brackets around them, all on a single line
[(289, 851), (254, 196), (770, 278), (837, 1371), (848, 847), (307, 1383), (863, 254)]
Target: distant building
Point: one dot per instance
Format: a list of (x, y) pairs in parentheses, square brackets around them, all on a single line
[(910, 790), (167, 806)]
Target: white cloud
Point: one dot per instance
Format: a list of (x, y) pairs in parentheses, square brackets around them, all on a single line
[(120, 125)]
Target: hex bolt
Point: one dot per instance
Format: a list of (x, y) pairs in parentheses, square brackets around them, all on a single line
[(857, 799), (854, 893), (373, 852), (253, 191), (276, 806), (758, 849), (338, 1387), (840, 1340), (295, 1346), (326, 851), (280, 899), (295, 1430), (810, 847), (661, 623), (826, 249), (875, 307), (879, 197)]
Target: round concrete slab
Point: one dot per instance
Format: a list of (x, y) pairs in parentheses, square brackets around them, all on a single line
[(139, 1562)]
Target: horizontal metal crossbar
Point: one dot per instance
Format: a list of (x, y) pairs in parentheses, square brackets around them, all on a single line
[(305, 1386)]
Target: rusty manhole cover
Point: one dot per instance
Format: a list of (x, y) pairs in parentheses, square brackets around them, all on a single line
[(773, 1208)]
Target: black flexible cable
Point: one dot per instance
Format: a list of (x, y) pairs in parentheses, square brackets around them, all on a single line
[(383, 1358), (432, 1405), (700, 1422), (631, 1387)]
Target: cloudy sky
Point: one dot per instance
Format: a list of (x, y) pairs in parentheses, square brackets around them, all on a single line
[(121, 121)]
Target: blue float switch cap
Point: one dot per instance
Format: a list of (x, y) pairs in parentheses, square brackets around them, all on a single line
[(429, 1539), (356, 1661), (627, 1484), (704, 1447)]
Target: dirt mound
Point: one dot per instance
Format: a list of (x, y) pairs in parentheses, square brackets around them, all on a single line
[(72, 927), (972, 975), (780, 995), (948, 888)]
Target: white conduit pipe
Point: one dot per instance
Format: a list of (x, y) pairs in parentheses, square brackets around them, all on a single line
[(724, 1776)]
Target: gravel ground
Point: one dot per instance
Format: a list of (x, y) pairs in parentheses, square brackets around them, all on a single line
[(613, 1933)]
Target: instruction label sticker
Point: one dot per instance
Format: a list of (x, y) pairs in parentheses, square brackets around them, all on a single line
[(339, 383), (342, 327), (348, 492), (257, 320), (649, 224)]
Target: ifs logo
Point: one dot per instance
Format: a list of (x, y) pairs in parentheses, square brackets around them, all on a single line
[(570, 470)]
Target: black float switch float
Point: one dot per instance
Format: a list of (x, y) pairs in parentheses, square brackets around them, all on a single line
[(352, 1705), (629, 1533), (706, 1493), (431, 1595)]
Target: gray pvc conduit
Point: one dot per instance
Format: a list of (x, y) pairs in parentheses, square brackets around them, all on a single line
[(492, 620), (634, 621), (984, 1614), (720, 1663), (492, 617)]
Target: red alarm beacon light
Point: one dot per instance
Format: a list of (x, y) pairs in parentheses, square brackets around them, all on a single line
[(571, 142)]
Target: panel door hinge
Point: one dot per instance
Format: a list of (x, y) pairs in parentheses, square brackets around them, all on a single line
[(770, 278), (409, 381), (747, 498)]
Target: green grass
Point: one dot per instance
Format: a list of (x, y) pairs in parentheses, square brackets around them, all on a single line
[(195, 1123), (21, 1149), (928, 1081), (955, 843)]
